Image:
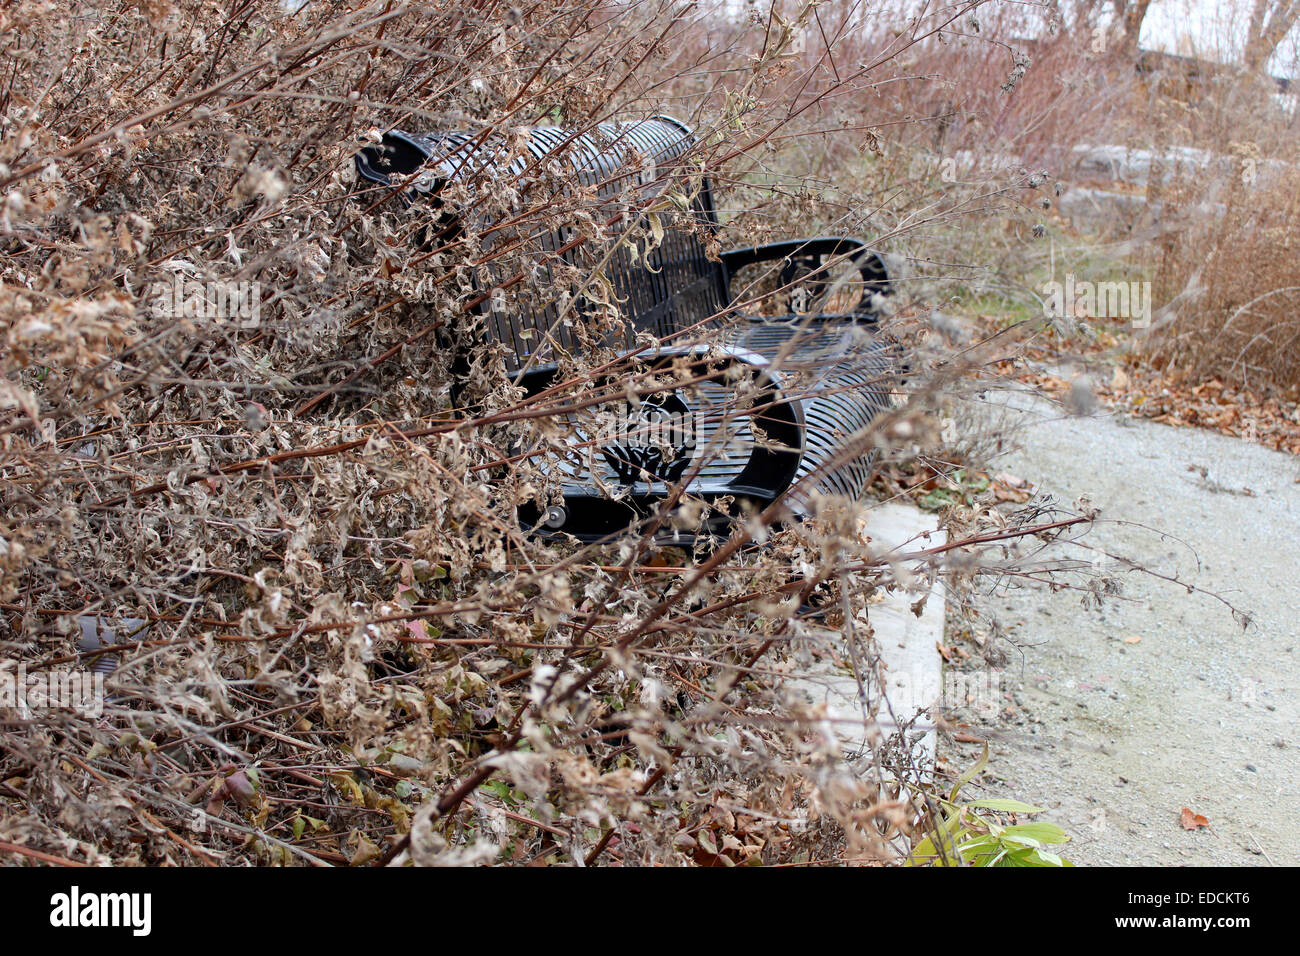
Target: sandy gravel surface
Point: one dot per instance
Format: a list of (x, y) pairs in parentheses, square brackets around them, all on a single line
[(1114, 719)]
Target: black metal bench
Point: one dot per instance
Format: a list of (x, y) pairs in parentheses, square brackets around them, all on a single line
[(740, 406)]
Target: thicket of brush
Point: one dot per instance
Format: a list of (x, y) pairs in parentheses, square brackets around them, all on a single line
[(353, 652), (1226, 266), (1218, 238)]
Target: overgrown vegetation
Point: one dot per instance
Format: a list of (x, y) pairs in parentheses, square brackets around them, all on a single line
[(1229, 274), (353, 652), (978, 834)]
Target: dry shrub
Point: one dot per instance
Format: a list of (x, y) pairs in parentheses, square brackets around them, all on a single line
[(1226, 269), (353, 650), (1213, 147), (967, 130)]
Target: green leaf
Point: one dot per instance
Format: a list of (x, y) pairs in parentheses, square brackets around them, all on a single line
[(1018, 860), (988, 858), (1041, 832), (1022, 840), (921, 854), (301, 821), (1006, 806), (925, 854), (973, 849), (970, 774)]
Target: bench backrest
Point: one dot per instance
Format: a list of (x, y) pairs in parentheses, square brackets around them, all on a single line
[(679, 287)]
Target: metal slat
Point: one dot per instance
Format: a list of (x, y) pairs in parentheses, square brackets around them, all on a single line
[(841, 382)]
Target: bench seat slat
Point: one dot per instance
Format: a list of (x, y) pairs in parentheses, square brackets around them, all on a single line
[(835, 369)]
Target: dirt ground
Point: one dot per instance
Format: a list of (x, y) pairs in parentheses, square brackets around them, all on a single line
[(1115, 718)]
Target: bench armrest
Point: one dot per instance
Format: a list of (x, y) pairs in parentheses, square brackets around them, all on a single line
[(812, 256)]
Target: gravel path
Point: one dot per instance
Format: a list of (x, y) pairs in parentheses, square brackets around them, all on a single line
[(1116, 718)]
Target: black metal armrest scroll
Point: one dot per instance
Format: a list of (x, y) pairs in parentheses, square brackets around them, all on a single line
[(813, 258), (694, 435)]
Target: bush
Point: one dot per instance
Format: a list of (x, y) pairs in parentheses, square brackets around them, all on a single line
[(1227, 270), (350, 648)]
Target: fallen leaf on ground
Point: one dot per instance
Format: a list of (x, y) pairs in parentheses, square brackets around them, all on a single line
[(1004, 492), (1266, 417), (1135, 639), (1192, 821), (1011, 481)]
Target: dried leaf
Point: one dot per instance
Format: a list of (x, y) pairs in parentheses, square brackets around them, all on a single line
[(1192, 821)]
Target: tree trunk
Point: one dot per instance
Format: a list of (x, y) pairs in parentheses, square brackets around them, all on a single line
[(1134, 13), (1270, 22)]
